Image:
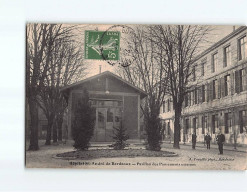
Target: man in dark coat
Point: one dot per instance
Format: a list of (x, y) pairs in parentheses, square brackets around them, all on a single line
[(220, 141), (194, 141), (207, 140)]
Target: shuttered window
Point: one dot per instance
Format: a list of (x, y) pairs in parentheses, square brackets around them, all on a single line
[(241, 80), (186, 126), (214, 89), (203, 92), (168, 105), (228, 122), (227, 56), (203, 64), (195, 96), (242, 45), (215, 123), (168, 128), (227, 85), (186, 100), (243, 121), (214, 62), (164, 107)]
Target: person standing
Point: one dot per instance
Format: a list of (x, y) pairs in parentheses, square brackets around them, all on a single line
[(194, 141), (207, 140), (220, 141)]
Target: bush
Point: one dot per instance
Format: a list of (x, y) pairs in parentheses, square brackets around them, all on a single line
[(83, 123), (120, 138)]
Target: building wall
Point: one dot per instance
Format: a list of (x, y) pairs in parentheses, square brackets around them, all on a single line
[(225, 94), (109, 88)]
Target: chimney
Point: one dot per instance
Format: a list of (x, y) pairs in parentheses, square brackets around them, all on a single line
[(234, 28), (99, 69)]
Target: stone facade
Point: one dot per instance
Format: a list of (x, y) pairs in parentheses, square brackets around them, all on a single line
[(218, 102)]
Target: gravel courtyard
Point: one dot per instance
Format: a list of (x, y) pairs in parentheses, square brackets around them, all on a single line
[(186, 158)]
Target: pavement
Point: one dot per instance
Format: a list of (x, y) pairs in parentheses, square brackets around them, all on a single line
[(212, 146), (187, 159)]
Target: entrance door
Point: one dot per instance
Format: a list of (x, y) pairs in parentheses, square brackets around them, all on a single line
[(101, 124)]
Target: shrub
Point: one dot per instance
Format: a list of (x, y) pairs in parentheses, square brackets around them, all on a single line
[(83, 123), (120, 138)]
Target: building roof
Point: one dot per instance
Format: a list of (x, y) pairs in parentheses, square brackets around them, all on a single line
[(106, 73), (220, 42)]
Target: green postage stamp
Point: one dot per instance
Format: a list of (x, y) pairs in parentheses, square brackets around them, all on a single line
[(102, 45)]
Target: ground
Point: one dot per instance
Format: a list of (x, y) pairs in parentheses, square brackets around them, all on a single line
[(200, 158)]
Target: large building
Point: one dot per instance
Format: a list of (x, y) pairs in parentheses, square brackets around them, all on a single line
[(219, 100), (114, 99)]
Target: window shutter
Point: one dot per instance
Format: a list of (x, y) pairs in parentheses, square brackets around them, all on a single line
[(208, 92), (237, 81)]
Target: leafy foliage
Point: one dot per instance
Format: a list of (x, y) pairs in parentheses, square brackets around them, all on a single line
[(83, 123)]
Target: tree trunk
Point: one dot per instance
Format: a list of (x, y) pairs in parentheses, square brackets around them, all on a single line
[(54, 131), (59, 127), (33, 108), (49, 129), (177, 126)]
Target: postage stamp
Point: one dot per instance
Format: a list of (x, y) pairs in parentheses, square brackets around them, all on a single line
[(102, 45)]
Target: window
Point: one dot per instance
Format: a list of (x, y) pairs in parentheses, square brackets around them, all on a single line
[(242, 48), (168, 105), (189, 99), (164, 107), (187, 122), (243, 121), (241, 74), (44, 127), (214, 88), (203, 67), (203, 93), (227, 56), (227, 85), (215, 124), (203, 124), (195, 96), (109, 115), (192, 98), (186, 100), (168, 128), (194, 125), (214, 62), (194, 73), (228, 122)]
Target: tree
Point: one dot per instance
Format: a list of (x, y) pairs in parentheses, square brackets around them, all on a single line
[(140, 66), (83, 123), (66, 65), (42, 62), (178, 45), (36, 36)]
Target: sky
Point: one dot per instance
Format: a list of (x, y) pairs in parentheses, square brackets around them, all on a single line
[(216, 34)]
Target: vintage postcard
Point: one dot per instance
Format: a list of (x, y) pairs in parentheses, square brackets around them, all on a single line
[(136, 96)]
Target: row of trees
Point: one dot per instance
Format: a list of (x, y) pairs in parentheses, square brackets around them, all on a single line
[(53, 59), (160, 61)]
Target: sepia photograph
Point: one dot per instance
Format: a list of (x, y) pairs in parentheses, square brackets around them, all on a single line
[(136, 96)]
